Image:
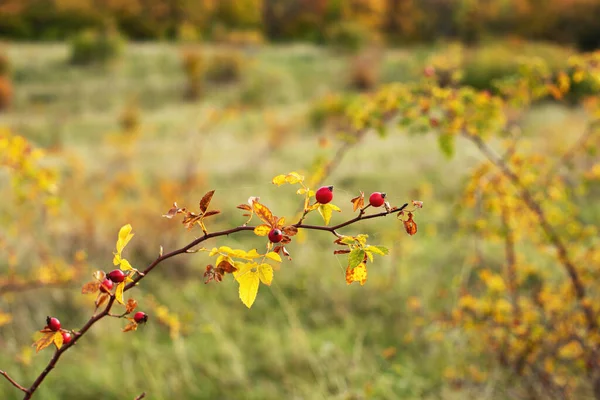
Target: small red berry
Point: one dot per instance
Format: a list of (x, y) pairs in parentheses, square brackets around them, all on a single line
[(275, 235), (429, 71), (324, 195), (377, 199), (140, 317), (116, 275), (53, 323), (66, 337), (106, 286)]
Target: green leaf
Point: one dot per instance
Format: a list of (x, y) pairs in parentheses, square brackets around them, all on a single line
[(381, 250), (446, 143), (355, 257)]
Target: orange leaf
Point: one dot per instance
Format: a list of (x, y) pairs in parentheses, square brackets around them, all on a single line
[(245, 207), (132, 326), (44, 341), (341, 252), (90, 287), (212, 212), (206, 201), (101, 299), (130, 306), (263, 213), (358, 202), (226, 267), (417, 203), (290, 230), (410, 225)]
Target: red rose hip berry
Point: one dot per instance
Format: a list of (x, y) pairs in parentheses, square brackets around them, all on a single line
[(53, 324), (275, 235), (377, 199), (67, 337), (116, 276), (106, 286), (140, 317), (324, 195)]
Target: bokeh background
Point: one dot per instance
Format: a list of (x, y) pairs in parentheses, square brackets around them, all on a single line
[(112, 110)]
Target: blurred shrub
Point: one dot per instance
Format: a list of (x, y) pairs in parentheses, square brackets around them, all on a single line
[(225, 67), (364, 72), (187, 32), (96, 47), (6, 92), (193, 66), (243, 38), (348, 36), (4, 63)]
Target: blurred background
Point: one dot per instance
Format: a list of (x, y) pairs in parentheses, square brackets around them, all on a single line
[(112, 110)]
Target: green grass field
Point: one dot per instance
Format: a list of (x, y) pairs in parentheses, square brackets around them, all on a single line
[(308, 336)]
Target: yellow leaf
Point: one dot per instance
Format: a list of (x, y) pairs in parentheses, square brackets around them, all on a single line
[(44, 341), (358, 274), (294, 177), (273, 256), (58, 339), (125, 236), (265, 273), (262, 230), (263, 212), (252, 254), (326, 210), (119, 292), (116, 259), (125, 266), (279, 180), (249, 282), (5, 318), (301, 191)]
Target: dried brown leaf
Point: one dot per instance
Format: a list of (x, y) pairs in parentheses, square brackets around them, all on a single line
[(341, 251), (212, 212), (206, 201), (410, 225), (132, 326), (245, 207), (90, 287), (130, 306), (290, 230)]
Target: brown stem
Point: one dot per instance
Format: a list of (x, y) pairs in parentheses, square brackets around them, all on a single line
[(106, 311), (141, 396), (14, 383), (552, 235)]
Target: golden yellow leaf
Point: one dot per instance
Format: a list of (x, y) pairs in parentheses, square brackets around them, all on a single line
[(294, 177), (265, 273), (262, 230), (279, 180), (125, 236), (326, 210), (263, 213), (206, 201), (273, 256), (249, 282), (119, 292), (358, 274), (125, 266), (58, 339), (44, 341)]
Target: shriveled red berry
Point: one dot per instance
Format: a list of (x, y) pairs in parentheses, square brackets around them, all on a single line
[(377, 199), (106, 286), (275, 235), (324, 195), (140, 317), (67, 337), (116, 275), (53, 323)]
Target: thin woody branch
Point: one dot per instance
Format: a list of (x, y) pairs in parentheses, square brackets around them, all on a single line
[(184, 250), (14, 383)]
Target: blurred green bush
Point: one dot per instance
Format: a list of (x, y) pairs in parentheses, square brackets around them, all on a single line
[(96, 46)]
